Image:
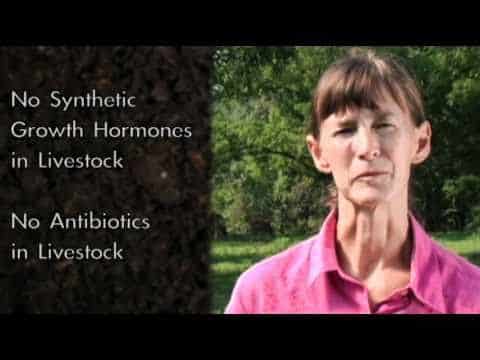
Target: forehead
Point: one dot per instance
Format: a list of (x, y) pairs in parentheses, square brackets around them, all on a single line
[(384, 107)]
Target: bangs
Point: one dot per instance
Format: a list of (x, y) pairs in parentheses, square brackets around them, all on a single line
[(354, 85), (364, 80)]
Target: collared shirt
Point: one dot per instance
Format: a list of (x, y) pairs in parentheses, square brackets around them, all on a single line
[(307, 278)]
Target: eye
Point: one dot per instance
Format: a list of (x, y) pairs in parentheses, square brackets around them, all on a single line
[(345, 131), (383, 125)]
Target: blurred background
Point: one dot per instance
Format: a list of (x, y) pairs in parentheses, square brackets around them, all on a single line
[(267, 195)]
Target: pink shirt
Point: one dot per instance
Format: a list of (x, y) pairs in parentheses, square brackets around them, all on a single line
[(306, 278)]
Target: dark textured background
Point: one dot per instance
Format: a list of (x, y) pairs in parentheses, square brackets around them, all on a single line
[(166, 267)]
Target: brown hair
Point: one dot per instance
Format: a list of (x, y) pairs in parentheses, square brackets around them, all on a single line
[(359, 80)]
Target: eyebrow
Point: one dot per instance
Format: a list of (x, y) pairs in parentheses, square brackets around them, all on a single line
[(383, 114), (352, 120), (349, 121)]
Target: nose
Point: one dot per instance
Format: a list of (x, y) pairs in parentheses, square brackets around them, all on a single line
[(367, 144)]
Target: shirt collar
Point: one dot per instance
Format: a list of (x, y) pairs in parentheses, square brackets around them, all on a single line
[(425, 275), (323, 256), (425, 278)]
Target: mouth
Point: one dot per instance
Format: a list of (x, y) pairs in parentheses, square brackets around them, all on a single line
[(371, 174)]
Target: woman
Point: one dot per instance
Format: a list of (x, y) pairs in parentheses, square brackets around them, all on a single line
[(371, 256)]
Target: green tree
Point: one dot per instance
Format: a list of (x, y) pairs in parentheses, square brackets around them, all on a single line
[(262, 104)]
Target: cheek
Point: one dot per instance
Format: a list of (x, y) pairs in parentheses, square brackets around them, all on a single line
[(399, 151), (340, 159), (339, 153)]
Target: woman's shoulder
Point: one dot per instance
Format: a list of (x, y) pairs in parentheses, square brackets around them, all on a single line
[(261, 287), (278, 266), (453, 263), (461, 280)]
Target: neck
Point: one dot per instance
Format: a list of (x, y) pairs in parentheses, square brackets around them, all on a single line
[(371, 240)]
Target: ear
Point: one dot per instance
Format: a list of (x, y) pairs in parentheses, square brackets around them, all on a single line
[(423, 146), (317, 155)]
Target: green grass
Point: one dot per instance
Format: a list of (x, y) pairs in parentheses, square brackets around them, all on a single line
[(233, 256)]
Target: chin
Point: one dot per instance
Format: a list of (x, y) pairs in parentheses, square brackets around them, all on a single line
[(369, 200)]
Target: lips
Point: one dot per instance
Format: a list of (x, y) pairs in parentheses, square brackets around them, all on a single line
[(371, 174)]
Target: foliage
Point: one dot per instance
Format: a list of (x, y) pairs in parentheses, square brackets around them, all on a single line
[(463, 195), (264, 178)]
